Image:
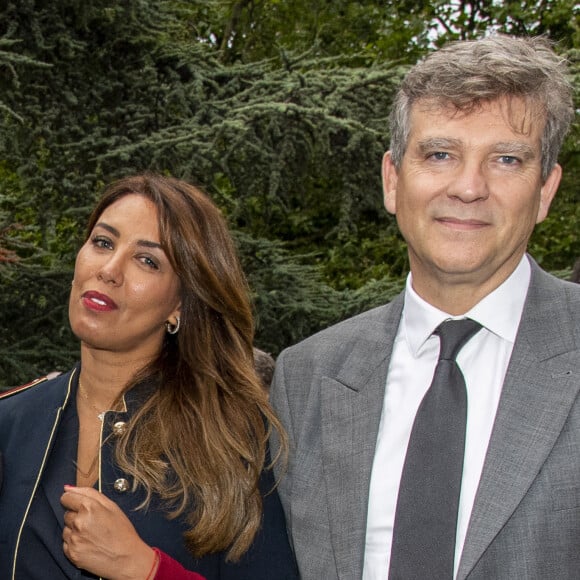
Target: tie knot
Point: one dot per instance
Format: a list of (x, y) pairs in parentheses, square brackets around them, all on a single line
[(453, 334)]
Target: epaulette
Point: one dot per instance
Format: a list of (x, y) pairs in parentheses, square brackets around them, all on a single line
[(15, 390)]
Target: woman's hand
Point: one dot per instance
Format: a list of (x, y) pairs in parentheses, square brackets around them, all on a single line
[(99, 537)]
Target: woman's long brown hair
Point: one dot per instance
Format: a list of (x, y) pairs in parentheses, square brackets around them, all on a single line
[(199, 440)]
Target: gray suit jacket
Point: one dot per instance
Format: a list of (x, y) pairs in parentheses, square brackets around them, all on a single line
[(525, 523)]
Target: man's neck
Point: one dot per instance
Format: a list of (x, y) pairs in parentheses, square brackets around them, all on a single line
[(456, 294)]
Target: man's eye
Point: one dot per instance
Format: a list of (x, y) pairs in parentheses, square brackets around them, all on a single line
[(508, 159), (439, 155)]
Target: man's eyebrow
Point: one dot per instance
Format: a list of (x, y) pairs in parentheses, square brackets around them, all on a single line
[(115, 232), (523, 150), (437, 144)]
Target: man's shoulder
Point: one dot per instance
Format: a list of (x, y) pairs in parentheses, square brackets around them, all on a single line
[(369, 327), (561, 293), (551, 315)]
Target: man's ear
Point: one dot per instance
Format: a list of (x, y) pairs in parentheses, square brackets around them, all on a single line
[(548, 191), (390, 178)]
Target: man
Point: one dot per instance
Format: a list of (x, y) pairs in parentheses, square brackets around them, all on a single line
[(475, 132), (265, 364)]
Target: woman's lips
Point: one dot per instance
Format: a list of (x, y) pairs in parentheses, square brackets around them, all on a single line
[(97, 301)]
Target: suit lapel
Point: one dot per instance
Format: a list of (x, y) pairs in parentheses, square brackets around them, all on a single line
[(351, 405), (51, 486), (541, 385)]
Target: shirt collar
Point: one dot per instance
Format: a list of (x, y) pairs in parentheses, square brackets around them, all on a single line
[(499, 312)]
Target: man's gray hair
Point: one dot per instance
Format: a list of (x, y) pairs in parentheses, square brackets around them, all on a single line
[(463, 75)]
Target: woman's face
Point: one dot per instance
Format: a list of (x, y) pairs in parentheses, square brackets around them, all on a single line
[(124, 288)]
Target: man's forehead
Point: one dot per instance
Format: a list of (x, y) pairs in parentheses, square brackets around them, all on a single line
[(522, 115)]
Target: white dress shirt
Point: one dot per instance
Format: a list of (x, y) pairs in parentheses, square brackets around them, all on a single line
[(483, 361)]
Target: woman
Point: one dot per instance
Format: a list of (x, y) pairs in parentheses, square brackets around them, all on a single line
[(147, 459)]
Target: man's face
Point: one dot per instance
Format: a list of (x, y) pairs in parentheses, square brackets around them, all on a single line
[(468, 194)]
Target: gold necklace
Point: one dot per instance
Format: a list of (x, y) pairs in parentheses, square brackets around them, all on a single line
[(85, 396), (92, 467)]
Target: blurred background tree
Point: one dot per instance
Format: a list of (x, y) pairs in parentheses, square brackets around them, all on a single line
[(277, 108)]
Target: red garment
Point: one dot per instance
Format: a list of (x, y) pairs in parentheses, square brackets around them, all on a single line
[(170, 569)]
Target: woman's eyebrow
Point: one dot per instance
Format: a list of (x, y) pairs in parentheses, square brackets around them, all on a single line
[(115, 232)]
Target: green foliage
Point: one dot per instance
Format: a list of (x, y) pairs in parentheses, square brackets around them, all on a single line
[(262, 29), (278, 108), (9, 60), (36, 337), (373, 254), (374, 293), (556, 241), (291, 298)]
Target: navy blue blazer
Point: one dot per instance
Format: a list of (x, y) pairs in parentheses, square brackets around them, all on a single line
[(29, 420)]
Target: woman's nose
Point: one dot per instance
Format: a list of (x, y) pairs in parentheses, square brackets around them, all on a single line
[(111, 272)]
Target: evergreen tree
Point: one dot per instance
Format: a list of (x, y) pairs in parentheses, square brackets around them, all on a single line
[(278, 109)]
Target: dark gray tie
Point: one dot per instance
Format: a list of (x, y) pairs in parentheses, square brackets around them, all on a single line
[(426, 516)]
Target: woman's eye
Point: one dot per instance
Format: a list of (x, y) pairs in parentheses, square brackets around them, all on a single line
[(101, 242), (150, 262)]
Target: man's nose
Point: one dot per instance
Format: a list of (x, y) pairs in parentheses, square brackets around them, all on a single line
[(469, 182)]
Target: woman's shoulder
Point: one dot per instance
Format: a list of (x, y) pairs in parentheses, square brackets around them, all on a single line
[(12, 391), (45, 386)]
